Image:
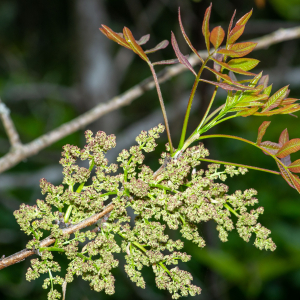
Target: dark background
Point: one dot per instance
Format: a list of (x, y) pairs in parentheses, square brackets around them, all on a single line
[(55, 65)]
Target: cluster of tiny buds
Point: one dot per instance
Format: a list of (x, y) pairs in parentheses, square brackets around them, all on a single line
[(179, 198)]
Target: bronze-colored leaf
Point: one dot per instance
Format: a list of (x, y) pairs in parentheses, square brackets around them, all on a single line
[(288, 148), (217, 36), (235, 33), (238, 49), (143, 40), (288, 101), (245, 46), (134, 45), (227, 79), (295, 166), (296, 182), (222, 85), (244, 19), (161, 45), (230, 26), (286, 175), (273, 148), (264, 80), (262, 130), (114, 36), (284, 137), (205, 27), (186, 37), (182, 59)]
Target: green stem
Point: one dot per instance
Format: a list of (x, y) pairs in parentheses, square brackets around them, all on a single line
[(243, 140), (162, 105), (162, 187), (208, 108), (79, 189), (213, 113), (189, 106), (239, 165), (231, 210)]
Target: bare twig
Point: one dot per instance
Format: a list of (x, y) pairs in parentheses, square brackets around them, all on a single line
[(19, 256), (9, 126)]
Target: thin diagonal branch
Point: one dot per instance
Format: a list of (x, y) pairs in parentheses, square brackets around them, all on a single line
[(19, 256), (9, 126), (14, 157)]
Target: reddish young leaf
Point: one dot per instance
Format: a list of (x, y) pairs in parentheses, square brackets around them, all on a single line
[(288, 148), (287, 101), (264, 81), (275, 99), (205, 27), (288, 109), (262, 130), (227, 79), (230, 26), (223, 85), (232, 53), (238, 49), (286, 175), (186, 37), (244, 19), (134, 45), (217, 36), (273, 148), (143, 40), (161, 45), (182, 59), (284, 137), (233, 68), (246, 46), (244, 64), (296, 182), (114, 36), (235, 33), (295, 166)]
